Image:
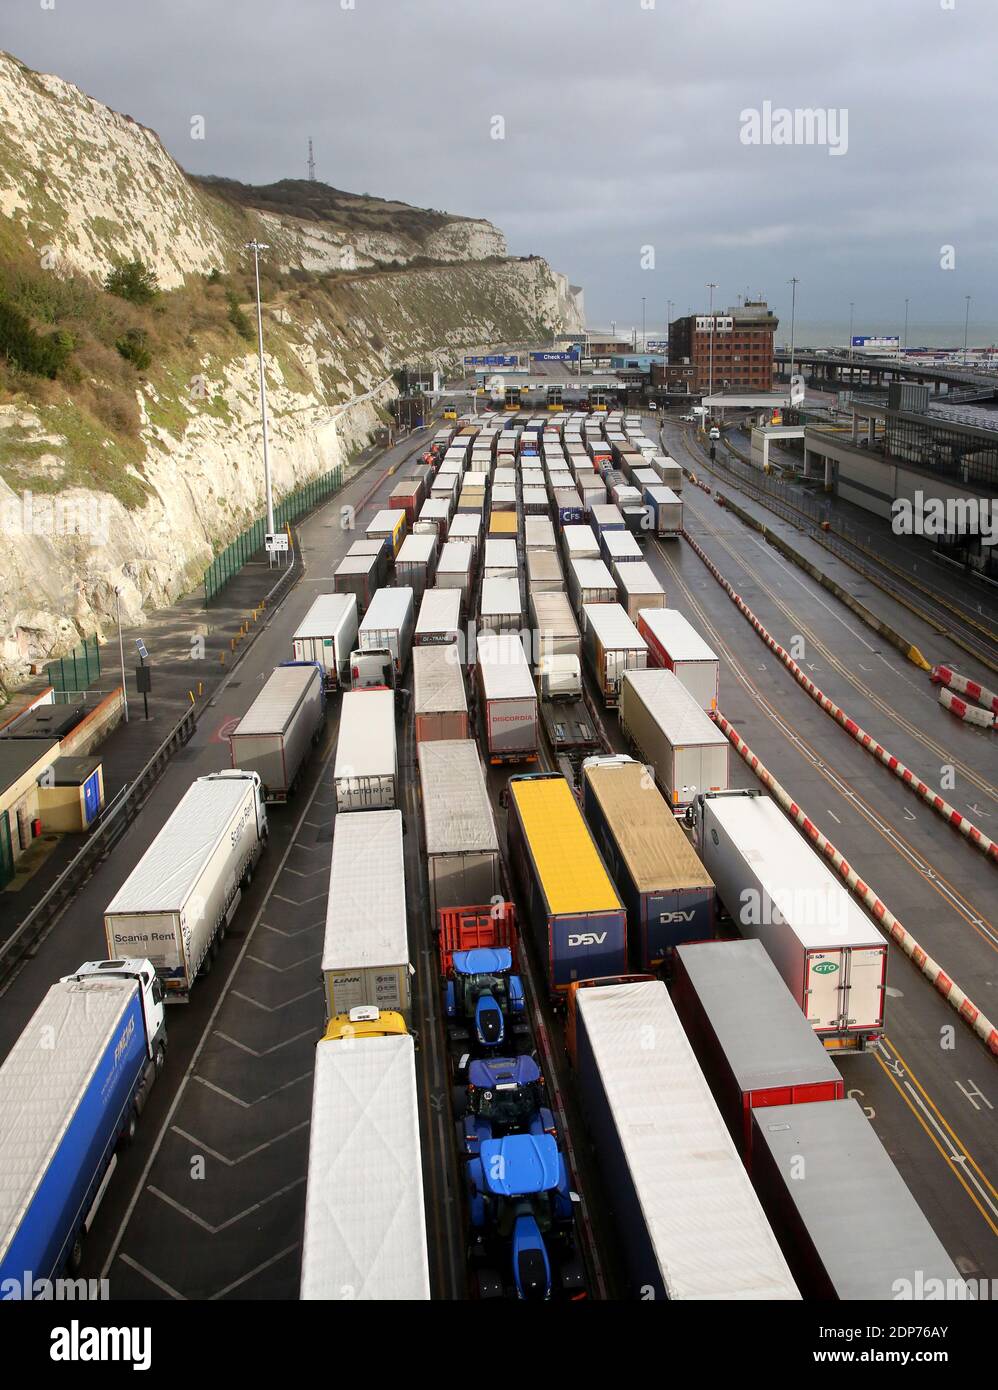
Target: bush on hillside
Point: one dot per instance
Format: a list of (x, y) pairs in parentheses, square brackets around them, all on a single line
[(29, 350), (237, 317), (134, 281), (133, 348)]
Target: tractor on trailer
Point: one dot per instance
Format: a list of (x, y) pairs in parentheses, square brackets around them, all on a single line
[(504, 1095), (72, 1089)]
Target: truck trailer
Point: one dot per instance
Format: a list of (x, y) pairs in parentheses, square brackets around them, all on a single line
[(439, 621), (664, 510), (365, 774), (359, 575), (638, 588), (416, 563), (679, 1196), (439, 698), (670, 730), (175, 905), (365, 1228), (781, 892), (387, 625), (554, 629), (462, 846), (613, 645), (750, 1037), (73, 1085), (365, 952), (327, 635), (281, 726), (668, 893), (507, 697), (675, 645), (575, 913), (852, 1230), (499, 606)]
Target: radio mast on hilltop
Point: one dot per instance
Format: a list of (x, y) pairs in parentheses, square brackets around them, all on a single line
[(311, 162)]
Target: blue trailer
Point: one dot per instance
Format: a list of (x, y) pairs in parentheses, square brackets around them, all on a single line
[(72, 1088)]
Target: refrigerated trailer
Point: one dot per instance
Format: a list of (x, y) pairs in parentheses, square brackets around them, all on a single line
[(439, 621), (670, 730), (439, 699), (681, 1201), (750, 1037), (851, 1230), (281, 726), (175, 905), (668, 893), (365, 1229), (499, 606), (365, 773), (575, 913), (327, 635), (675, 645), (613, 645), (507, 697), (462, 846), (72, 1086), (781, 892), (388, 624), (365, 952)]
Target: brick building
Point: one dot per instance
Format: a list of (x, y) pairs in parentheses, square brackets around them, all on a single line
[(743, 347)]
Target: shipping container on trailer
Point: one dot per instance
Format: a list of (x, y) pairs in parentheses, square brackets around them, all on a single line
[(388, 524), (176, 903), (665, 511), (779, 890), (675, 645), (365, 1226), (508, 698), (580, 543), (365, 950), (620, 548), (454, 568), (568, 508), (539, 534), (575, 913), (365, 773), (500, 559), (670, 473), (416, 563), (388, 625), (672, 733), (668, 893), (499, 606), (755, 1046), (852, 1230), (535, 501), (439, 699), (281, 726), (439, 620), (605, 516), (589, 581), (327, 635), (544, 571), (461, 843), (638, 588), (503, 523), (359, 575), (554, 631), (613, 645), (683, 1206), (468, 528)]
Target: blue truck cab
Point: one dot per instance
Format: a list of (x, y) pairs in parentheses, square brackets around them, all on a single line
[(522, 1216), (484, 995), (504, 1095)]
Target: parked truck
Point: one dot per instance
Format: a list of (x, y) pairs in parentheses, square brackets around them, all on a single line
[(638, 588), (175, 905), (365, 953), (672, 733), (72, 1089), (388, 625), (668, 893), (574, 911), (613, 645), (780, 891), (676, 646), (365, 774), (690, 1225), (507, 698), (462, 846), (439, 699), (327, 635), (750, 1037), (283, 723), (664, 511)]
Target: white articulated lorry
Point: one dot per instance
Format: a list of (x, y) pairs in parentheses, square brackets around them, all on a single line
[(176, 903)]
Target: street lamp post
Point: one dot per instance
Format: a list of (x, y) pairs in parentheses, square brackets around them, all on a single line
[(121, 650), (794, 282), (256, 247), (712, 286)]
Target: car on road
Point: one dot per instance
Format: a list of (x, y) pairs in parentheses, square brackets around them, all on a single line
[(689, 419)]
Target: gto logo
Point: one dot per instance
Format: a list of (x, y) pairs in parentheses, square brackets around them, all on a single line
[(667, 917), (587, 938), (827, 967)]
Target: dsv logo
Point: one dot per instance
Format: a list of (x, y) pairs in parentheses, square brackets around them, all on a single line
[(587, 938), (668, 917)]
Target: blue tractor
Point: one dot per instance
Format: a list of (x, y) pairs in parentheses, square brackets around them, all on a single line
[(523, 1220), (484, 1000), (504, 1095)]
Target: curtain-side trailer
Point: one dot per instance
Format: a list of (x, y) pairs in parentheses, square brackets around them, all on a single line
[(283, 723), (440, 703), (365, 774), (462, 846), (508, 698)]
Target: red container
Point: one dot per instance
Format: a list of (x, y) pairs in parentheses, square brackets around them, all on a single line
[(407, 496), (468, 928), (754, 1045)]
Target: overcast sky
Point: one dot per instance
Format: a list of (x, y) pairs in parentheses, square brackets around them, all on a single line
[(623, 131)]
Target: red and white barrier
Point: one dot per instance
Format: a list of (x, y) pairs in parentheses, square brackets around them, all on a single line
[(949, 813), (970, 714), (930, 968), (943, 675)]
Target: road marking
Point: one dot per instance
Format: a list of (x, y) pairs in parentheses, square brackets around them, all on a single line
[(276, 1008), (232, 1220), (202, 1147), (974, 1094), (283, 969), (153, 1279), (249, 1104), (250, 1274), (833, 816)]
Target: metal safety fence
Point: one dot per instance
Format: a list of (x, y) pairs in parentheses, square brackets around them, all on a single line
[(231, 560), (70, 674)]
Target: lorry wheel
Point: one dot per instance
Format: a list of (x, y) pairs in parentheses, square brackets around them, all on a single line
[(159, 1060), (131, 1129), (75, 1259)]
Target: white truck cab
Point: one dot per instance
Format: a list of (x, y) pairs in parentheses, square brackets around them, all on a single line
[(151, 991)]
